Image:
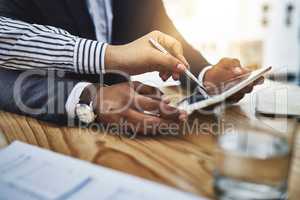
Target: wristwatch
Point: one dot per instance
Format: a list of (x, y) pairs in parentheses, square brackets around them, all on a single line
[(85, 112)]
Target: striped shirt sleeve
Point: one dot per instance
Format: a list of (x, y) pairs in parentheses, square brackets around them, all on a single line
[(30, 46)]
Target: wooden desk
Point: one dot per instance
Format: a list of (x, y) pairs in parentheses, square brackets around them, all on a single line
[(184, 162)]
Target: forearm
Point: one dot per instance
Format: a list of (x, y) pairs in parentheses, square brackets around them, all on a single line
[(26, 46), (39, 94)]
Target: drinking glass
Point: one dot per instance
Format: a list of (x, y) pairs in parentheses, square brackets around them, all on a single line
[(252, 166)]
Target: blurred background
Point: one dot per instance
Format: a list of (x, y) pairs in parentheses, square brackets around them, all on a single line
[(258, 32)]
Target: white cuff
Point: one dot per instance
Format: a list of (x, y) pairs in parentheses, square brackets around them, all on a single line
[(202, 74), (74, 98), (103, 58), (201, 79)]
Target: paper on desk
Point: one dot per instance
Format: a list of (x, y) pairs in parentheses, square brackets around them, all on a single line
[(153, 79), (30, 173)]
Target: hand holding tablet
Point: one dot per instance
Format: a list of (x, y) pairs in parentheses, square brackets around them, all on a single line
[(196, 102)]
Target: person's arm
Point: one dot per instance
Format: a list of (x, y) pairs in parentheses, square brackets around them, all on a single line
[(29, 46), (32, 47), (39, 94), (214, 77), (26, 46), (47, 96)]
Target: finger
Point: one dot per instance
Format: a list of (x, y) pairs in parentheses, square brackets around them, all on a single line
[(167, 75), (142, 103), (146, 89), (236, 98), (174, 47), (183, 117), (226, 63), (233, 65), (182, 59), (238, 71), (169, 112), (163, 76), (236, 63), (246, 70), (177, 51), (178, 71), (165, 62), (260, 81), (145, 123), (247, 89), (176, 76)]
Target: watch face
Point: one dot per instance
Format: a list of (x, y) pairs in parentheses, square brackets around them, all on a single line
[(85, 113)]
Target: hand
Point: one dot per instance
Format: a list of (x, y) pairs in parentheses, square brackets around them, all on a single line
[(221, 76), (123, 105), (140, 57)]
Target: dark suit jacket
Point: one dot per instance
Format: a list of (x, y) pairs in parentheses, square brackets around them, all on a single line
[(132, 19)]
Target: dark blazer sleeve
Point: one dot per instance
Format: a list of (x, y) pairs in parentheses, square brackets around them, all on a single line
[(163, 23), (37, 94)]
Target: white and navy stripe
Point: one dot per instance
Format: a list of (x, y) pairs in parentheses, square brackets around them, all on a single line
[(29, 46)]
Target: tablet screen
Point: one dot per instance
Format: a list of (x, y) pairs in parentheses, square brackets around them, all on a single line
[(194, 98), (197, 101)]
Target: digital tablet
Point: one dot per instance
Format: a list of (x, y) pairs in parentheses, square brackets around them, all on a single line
[(198, 102)]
